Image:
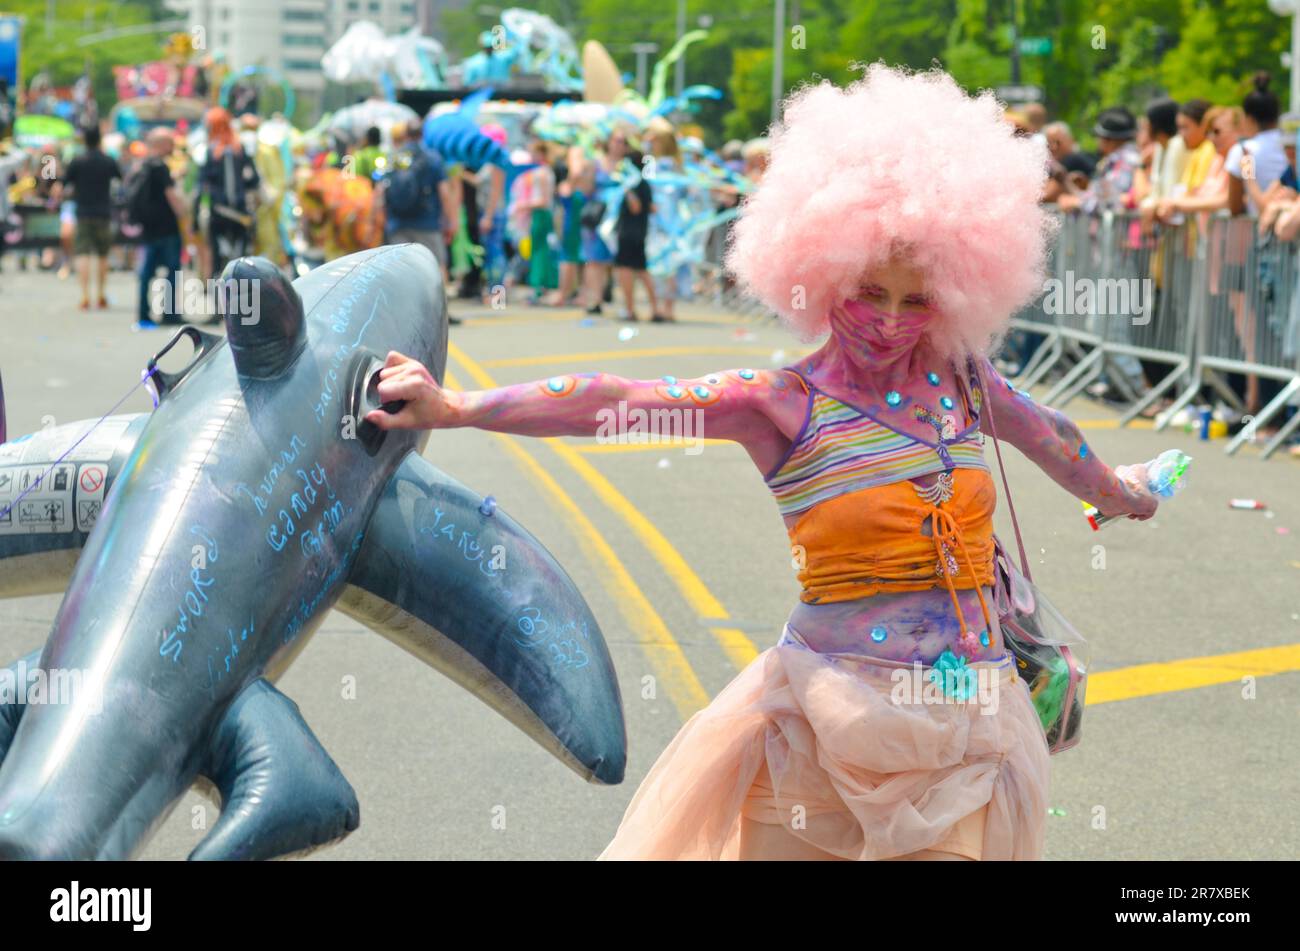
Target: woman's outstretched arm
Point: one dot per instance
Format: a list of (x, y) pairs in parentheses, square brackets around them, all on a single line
[(739, 405), (1054, 443)]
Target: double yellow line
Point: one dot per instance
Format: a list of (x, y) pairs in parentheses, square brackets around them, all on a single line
[(667, 659)]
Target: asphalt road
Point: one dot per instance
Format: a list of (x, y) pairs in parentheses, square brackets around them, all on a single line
[(686, 565)]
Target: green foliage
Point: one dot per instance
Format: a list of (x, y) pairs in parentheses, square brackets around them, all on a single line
[(56, 51)]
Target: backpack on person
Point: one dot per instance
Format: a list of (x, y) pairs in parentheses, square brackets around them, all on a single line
[(408, 194), (139, 197)]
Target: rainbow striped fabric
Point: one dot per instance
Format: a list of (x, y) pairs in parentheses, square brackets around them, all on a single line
[(843, 449)]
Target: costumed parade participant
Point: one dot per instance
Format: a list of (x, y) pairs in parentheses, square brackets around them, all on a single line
[(872, 223), (226, 182)]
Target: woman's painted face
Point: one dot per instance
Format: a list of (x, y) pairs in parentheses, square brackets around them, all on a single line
[(885, 318)]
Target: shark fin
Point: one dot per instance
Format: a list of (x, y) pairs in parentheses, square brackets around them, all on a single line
[(462, 586), (281, 793)]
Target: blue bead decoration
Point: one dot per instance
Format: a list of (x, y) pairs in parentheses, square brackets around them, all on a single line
[(555, 384), (893, 397), (1083, 451), (701, 391), (676, 392), (669, 379), (746, 374), (984, 638), (945, 402), (933, 378), (878, 634)]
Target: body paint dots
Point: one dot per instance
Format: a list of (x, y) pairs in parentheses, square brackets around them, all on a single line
[(560, 385)]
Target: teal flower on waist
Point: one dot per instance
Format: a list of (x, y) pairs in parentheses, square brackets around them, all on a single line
[(951, 674)]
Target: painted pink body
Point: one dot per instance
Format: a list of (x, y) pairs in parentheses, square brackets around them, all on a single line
[(763, 410)]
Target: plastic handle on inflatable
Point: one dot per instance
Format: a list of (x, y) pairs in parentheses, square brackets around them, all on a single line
[(365, 398), (162, 383)]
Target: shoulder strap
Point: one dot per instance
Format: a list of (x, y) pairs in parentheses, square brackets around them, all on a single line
[(803, 384), (986, 404)]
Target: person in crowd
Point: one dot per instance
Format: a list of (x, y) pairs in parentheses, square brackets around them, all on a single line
[(597, 256), (90, 176), (1115, 131), (756, 155), (665, 164), (1111, 190), (1254, 165), (570, 198), (633, 230), (1168, 159), (537, 216), (1060, 140), (732, 157), (154, 203), (50, 170), (1257, 160), (1218, 127), (227, 182), (419, 200), (13, 164), (367, 157)]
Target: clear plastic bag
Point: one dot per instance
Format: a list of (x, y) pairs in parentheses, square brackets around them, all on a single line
[(1051, 656)]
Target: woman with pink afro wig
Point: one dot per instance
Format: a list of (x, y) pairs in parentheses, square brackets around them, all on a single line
[(888, 721), (897, 163)]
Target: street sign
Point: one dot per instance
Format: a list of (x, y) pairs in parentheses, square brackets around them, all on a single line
[(1018, 94), (1035, 46)]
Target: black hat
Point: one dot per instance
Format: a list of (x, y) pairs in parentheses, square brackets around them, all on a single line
[(1115, 123), (1079, 162)]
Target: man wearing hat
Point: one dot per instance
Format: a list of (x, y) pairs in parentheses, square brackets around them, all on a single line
[(1115, 130)]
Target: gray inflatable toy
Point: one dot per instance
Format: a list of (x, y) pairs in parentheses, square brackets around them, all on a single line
[(202, 544)]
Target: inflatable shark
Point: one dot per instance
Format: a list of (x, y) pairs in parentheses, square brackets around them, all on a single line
[(202, 544)]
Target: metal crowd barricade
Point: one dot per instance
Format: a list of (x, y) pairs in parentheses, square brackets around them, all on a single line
[(1250, 320), (1203, 298)]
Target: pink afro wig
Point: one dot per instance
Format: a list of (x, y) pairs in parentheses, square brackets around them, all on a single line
[(905, 164)]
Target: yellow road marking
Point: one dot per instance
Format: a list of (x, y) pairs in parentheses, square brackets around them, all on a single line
[(502, 321), (663, 445), (631, 353), (1144, 680), (1113, 424), (740, 650), (662, 650)]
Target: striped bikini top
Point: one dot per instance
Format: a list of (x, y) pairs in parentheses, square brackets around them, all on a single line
[(842, 448)]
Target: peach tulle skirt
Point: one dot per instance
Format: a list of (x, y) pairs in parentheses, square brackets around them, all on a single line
[(808, 755)]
